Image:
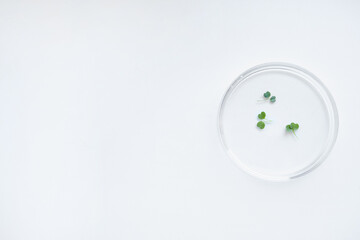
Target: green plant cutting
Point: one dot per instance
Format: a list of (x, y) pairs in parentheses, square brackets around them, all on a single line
[(292, 127), (262, 117), (267, 96)]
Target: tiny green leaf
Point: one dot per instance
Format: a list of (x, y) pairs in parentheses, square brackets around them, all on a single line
[(267, 94), (288, 127), (273, 99), (296, 126), (262, 115), (260, 125)]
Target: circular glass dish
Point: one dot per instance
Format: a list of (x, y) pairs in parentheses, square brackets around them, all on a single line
[(273, 153)]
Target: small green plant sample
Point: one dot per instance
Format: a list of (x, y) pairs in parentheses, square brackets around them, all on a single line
[(260, 125), (292, 127), (262, 117), (267, 95)]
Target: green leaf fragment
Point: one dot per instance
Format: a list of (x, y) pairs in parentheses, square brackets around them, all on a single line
[(267, 94), (292, 127), (260, 125), (273, 99), (262, 115)]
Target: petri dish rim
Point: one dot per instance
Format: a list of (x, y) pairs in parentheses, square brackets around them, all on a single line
[(316, 84)]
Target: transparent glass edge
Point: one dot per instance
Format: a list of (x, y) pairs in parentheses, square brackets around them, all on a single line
[(333, 124)]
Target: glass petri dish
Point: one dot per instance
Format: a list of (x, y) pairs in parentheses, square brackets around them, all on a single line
[(273, 153)]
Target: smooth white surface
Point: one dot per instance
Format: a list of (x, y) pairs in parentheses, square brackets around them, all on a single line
[(108, 119)]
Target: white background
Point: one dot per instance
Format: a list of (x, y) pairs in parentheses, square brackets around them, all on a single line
[(108, 119)]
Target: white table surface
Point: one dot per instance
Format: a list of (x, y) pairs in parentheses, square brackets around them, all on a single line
[(108, 119)]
